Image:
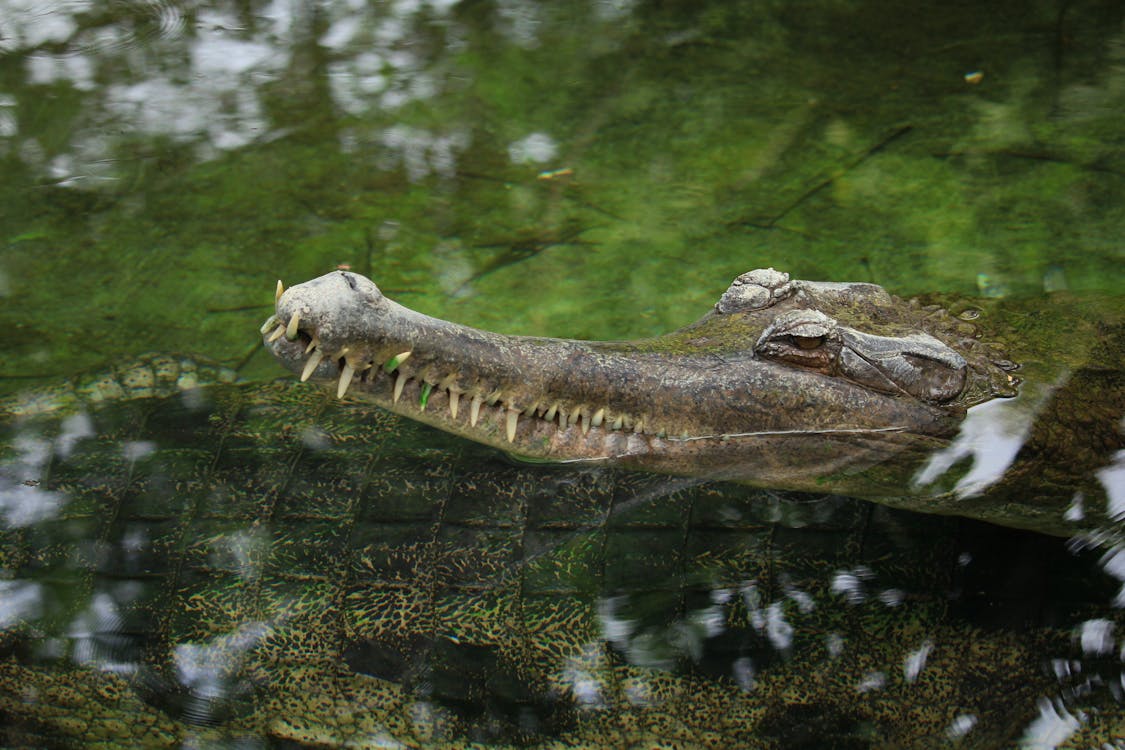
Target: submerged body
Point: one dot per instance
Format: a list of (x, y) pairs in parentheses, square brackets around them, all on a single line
[(788, 384), (258, 565)]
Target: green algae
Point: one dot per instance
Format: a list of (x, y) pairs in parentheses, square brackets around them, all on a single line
[(688, 145)]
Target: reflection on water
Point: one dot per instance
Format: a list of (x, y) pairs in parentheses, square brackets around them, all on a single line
[(991, 435), (1112, 478), (234, 579)]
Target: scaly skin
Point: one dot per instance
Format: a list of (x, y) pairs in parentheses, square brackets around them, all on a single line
[(787, 384)]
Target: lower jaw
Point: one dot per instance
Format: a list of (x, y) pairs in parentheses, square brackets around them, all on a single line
[(529, 435), (794, 460)]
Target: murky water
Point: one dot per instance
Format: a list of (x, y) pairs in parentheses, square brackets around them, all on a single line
[(259, 566)]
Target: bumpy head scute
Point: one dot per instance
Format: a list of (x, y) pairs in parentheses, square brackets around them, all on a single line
[(755, 290)]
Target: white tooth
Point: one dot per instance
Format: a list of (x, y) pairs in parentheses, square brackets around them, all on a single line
[(596, 420), (278, 292), (400, 382), (584, 423), (575, 416), (454, 401), (270, 323), (312, 344), (616, 423), (345, 380), (551, 412), (276, 334), (513, 420), (562, 419), (474, 410), (291, 329), (311, 365)]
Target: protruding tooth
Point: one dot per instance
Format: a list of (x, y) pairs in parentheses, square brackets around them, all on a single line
[(392, 364), (551, 412), (617, 422), (575, 416), (276, 334), (312, 344), (454, 401), (311, 365), (400, 383), (584, 423), (271, 321), (513, 420), (596, 420), (278, 292), (345, 380), (291, 329), (474, 410)]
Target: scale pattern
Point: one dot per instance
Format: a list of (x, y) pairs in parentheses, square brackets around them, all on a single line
[(262, 561)]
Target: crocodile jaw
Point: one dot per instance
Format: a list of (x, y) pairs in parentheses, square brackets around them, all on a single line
[(504, 391), (676, 403), (520, 394)]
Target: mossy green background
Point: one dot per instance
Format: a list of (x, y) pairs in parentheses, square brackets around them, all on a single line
[(836, 140)]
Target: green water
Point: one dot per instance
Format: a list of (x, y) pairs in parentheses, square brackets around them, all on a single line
[(164, 165), (595, 169)]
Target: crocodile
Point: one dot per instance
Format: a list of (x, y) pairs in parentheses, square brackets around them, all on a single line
[(785, 383), (264, 564)]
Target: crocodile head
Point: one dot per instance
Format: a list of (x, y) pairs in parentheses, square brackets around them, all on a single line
[(782, 383)]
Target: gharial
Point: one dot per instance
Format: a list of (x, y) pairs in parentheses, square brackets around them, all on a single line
[(785, 383)]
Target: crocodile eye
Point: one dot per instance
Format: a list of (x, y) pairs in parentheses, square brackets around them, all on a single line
[(807, 338), (807, 342)]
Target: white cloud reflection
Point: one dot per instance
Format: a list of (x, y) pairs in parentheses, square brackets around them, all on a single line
[(213, 99), (1051, 728), (915, 661), (19, 601), (991, 435), (537, 148), (1096, 637), (22, 501), (31, 23), (1112, 478)]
